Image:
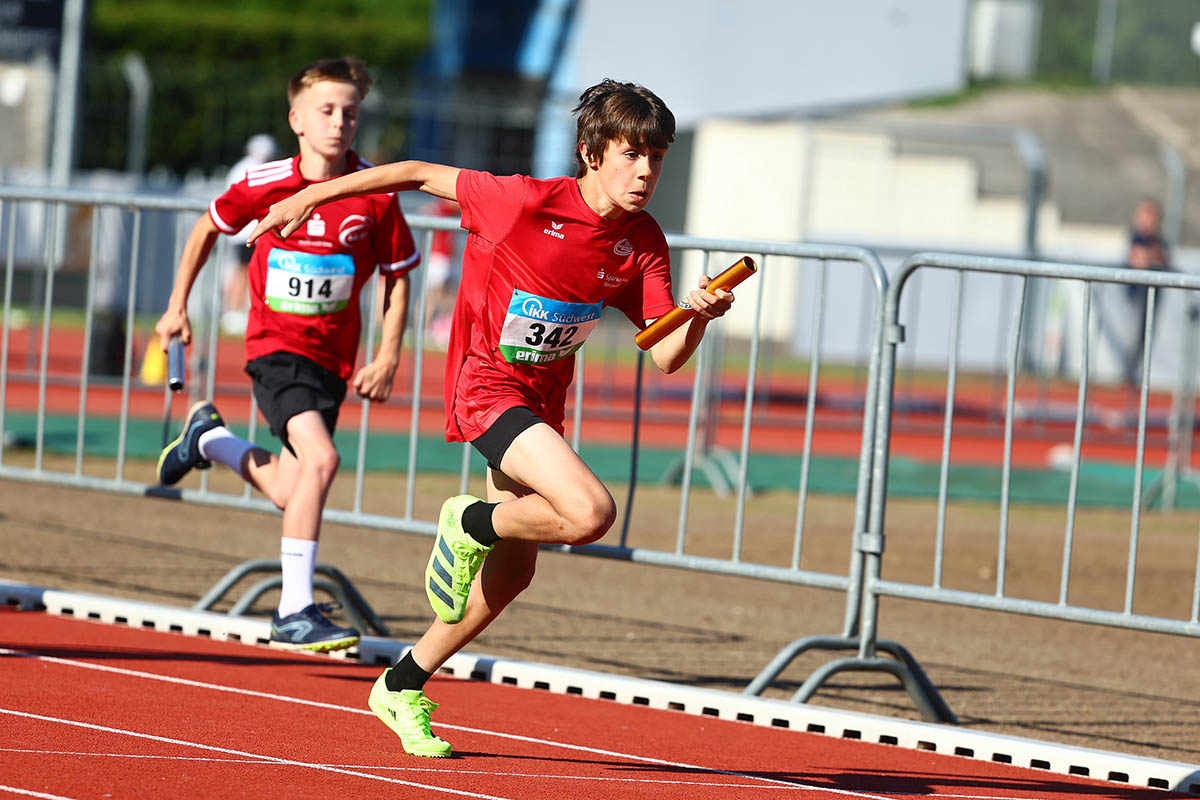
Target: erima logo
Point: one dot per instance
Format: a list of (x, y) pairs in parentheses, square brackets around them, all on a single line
[(535, 357), (533, 308), (623, 247), (554, 229)]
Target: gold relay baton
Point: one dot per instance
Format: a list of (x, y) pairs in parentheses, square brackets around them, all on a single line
[(658, 330)]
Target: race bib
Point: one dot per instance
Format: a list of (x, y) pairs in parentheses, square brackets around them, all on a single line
[(308, 283), (538, 330)]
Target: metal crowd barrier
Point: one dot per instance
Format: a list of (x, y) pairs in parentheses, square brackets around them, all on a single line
[(875, 586), (814, 261)]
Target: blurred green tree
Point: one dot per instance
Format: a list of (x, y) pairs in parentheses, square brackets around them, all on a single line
[(1151, 42), (220, 69)]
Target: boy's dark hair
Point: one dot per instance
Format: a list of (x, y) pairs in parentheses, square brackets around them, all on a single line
[(612, 110), (347, 69)]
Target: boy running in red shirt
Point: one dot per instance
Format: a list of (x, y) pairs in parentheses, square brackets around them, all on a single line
[(543, 258), (303, 330)]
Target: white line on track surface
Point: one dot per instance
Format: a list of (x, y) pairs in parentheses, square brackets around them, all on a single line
[(353, 770), (263, 758), (28, 793), (389, 768)]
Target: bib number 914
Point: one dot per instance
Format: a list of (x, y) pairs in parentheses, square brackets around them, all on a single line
[(308, 283), (303, 288)]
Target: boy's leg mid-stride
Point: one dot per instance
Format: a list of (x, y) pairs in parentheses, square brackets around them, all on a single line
[(298, 485), (485, 555), (563, 502)]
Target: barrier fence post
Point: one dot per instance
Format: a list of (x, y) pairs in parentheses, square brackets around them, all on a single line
[(875, 586), (1181, 421)]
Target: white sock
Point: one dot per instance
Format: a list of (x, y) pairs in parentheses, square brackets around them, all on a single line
[(221, 446), (297, 557)]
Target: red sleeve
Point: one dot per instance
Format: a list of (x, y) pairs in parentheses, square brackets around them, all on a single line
[(650, 297), (491, 206), (394, 247), (236, 208)]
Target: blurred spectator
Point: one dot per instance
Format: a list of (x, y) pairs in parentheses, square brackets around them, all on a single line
[(260, 148), (1147, 250)]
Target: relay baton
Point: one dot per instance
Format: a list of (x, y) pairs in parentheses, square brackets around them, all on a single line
[(176, 370), (658, 330)]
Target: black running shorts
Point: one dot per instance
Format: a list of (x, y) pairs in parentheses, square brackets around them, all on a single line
[(508, 426), (286, 384)]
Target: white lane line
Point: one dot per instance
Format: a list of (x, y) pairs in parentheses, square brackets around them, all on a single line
[(77, 754), (389, 768), (28, 793), (464, 728), (487, 773), (260, 757)]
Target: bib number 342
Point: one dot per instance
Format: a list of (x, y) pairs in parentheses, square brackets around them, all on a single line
[(538, 330)]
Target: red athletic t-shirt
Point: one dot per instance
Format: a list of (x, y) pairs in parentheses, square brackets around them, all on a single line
[(304, 290), (538, 267)]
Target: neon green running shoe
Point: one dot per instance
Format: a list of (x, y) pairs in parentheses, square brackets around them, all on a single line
[(454, 562), (407, 714)]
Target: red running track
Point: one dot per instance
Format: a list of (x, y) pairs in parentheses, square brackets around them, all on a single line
[(96, 710)]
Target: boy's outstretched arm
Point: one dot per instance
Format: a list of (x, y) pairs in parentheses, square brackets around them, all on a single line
[(673, 351), (374, 380), (174, 321), (289, 214)]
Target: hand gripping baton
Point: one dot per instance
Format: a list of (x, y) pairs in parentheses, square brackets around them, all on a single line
[(658, 330)]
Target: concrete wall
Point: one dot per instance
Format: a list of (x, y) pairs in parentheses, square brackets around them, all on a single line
[(714, 57), (796, 181)]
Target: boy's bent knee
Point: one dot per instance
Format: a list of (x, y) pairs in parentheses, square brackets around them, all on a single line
[(589, 519), (324, 463)]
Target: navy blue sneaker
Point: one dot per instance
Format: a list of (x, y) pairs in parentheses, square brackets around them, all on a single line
[(183, 455), (308, 629)]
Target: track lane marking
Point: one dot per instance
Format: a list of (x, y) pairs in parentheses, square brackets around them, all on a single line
[(390, 768), (490, 773), (29, 793), (463, 728), (265, 759)]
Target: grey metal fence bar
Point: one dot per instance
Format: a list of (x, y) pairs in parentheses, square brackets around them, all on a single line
[(1001, 599), (7, 214)]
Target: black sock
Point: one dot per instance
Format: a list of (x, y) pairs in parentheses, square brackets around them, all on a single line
[(477, 521), (407, 674)]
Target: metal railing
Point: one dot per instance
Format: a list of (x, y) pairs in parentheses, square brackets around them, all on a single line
[(1001, 598)]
